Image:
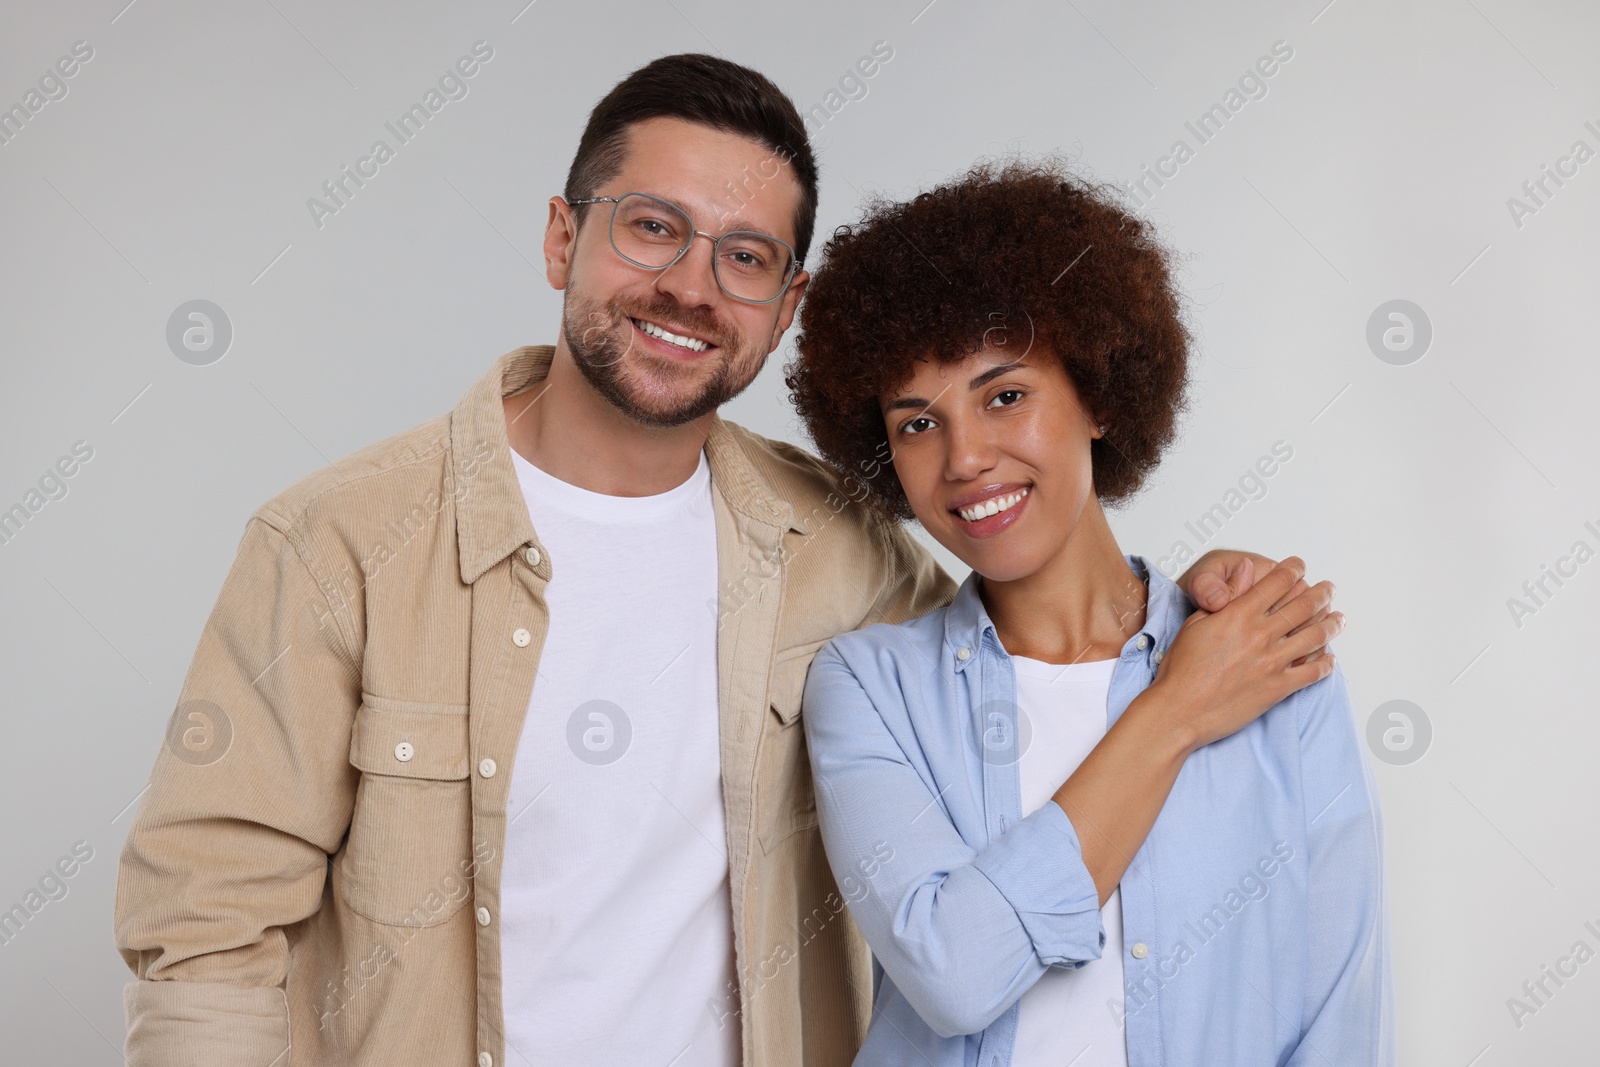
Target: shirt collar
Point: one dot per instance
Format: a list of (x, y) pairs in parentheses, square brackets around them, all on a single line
[(492, 517), (967, 622)]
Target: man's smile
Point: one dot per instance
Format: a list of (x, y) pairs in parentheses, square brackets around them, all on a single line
[(677, 338)]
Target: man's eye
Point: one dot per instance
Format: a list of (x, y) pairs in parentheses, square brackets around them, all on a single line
[(653, 228), (1017, 393)]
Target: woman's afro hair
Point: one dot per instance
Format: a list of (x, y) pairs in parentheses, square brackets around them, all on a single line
[(1013, 257)]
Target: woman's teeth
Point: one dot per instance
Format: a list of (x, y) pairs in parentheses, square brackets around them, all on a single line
[(671, 338), (992, 506)]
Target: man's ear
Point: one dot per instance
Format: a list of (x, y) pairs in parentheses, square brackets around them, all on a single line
[(787, 307), (560, 238)]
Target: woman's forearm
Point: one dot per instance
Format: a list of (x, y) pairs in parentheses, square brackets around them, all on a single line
[(1116, 793)]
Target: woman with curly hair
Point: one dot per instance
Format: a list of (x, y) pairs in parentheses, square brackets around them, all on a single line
[(1078, 820)]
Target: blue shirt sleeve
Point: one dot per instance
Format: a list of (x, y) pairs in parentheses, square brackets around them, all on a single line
[(1348, 1003), (962, 931)]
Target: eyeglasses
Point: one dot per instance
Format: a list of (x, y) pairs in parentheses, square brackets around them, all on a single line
[(653, 233)]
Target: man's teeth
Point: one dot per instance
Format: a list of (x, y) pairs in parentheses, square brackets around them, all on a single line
[(992, 506), (671, 338)]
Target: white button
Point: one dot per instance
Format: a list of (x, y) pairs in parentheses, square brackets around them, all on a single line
[(963, 653), (520, 638), (1139, 951), (485, 1060), (1144, 642), (403, 751), (533, 556), (483, 916), (1155, 656), (486, 767)]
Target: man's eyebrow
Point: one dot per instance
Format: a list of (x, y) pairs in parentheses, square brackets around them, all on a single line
[(730, 222), (727, 221), (977, 383)]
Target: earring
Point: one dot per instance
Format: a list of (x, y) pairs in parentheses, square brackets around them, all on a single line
[(1102, 429)]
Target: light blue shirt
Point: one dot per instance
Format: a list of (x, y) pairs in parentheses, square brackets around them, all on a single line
[(1254, 916)]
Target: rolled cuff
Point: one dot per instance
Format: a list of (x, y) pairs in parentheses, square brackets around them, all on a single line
[(1038, 867), (205, 1024)]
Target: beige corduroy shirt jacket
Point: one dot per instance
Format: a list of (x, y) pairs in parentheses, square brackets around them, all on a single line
[(313, 877)]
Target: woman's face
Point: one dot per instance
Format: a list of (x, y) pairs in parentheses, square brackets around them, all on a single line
[(1008, 437)]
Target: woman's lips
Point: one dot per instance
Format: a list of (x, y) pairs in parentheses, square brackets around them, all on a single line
[(990, 525)]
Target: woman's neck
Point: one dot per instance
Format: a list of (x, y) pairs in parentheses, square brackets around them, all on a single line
[(1082, 605)]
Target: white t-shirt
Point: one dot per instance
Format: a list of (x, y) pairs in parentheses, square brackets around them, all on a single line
[(616, 930), (1067, 1016)]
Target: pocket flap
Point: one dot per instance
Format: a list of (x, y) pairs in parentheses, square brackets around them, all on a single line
[(409, 739)]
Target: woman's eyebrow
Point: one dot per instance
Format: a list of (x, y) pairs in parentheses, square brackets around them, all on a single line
[(977, 383), (991, 374)]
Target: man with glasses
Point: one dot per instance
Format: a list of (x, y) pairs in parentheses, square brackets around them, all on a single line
[(490, 752)]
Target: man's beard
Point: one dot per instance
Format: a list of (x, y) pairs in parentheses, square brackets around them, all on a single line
[(644, 388)]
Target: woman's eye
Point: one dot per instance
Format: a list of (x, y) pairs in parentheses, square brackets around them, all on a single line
[(1016, 393), (911, 425)]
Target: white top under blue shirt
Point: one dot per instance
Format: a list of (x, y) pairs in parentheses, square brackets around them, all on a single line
[(1071, 1014), (1254, 917)]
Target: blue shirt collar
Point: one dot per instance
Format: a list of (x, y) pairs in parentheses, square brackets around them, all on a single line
[(967, 622)]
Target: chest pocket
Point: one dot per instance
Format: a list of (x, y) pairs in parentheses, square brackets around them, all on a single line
[(785, 799), (406, 860)]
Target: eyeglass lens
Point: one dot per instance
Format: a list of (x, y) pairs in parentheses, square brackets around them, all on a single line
[(652, 233)]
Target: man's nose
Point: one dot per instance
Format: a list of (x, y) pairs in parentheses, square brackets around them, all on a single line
[(692, 279)]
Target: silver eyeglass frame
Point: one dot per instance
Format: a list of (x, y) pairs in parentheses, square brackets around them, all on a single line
[(716, 244)]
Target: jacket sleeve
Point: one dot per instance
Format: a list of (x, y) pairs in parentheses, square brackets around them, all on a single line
[(962, 932), (913, 584), (251, 793), (1348, 1006)]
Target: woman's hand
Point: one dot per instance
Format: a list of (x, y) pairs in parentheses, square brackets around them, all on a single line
[(1228, 667), (1224, 669)]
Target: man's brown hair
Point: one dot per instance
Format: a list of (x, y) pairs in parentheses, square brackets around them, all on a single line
[(712, 92)]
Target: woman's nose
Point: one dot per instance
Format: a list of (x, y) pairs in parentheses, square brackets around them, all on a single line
[(970, 453)]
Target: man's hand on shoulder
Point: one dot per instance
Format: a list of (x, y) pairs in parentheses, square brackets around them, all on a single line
[(1216, 578), (1223, 575)]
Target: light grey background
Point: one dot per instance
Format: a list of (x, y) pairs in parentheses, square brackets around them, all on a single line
[(1377, 167)]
